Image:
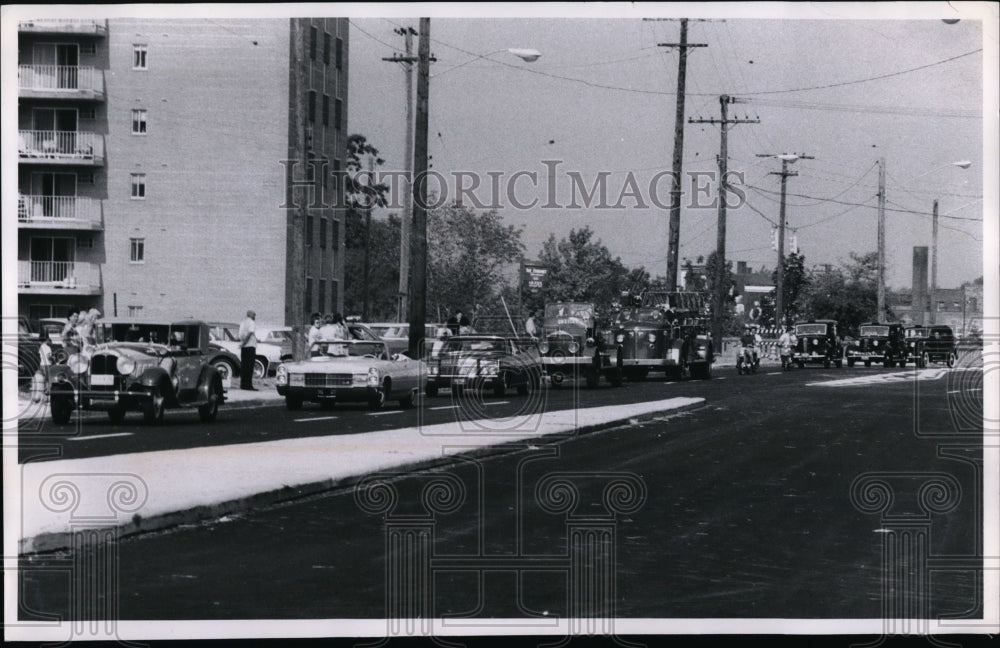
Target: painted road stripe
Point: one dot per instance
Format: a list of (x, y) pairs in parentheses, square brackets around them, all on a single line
[(100, 436), (385, 413), (497, 403), (315, 418), (443, 407)]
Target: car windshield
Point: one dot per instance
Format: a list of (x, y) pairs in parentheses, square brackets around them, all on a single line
[(459, 346), (872, 331), (349, 348), (573, 315), (223, 334), (918, 333), (810, 329), (654, 315)]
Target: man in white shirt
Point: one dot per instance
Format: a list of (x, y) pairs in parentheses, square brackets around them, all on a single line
[(248, 350)]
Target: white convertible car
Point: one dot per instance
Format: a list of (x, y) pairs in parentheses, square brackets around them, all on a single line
[(350, 371)]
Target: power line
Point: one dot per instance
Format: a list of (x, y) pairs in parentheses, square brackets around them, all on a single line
[(373, 37), (842, 202)]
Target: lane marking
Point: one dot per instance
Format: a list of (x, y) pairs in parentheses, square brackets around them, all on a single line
[(497, 403), (100, 436), (443, 407), (315, 418), (899, 376), (385, 413)]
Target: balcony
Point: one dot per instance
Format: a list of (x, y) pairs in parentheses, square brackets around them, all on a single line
[(58, 278), (80, 27), (59, 212), (60, 82), (79, 148)]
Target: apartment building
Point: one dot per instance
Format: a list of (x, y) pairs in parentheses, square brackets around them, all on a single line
[(152, 158)]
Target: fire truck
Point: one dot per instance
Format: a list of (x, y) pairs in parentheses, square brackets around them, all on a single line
[(574, 346), (666, 331)]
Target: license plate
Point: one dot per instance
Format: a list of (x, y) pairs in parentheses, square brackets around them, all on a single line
[(102, 379), (330, 392), (459, 381)]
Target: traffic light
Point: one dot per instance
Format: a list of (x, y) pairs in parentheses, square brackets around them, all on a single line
[(774, 238)]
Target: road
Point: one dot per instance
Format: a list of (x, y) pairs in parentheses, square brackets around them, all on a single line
[(743, 509)]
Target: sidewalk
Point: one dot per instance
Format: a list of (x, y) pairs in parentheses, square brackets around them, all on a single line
[(153, 490)]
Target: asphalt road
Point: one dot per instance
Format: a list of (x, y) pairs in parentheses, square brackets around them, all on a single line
[(740, 509)]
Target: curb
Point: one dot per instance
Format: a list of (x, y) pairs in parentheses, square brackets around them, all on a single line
[(49, 542)]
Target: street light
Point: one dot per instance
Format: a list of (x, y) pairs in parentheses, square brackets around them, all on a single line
[(961, 164), (418, 243)]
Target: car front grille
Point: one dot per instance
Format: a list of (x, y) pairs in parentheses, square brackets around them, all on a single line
[(105, 365), (328, 380)]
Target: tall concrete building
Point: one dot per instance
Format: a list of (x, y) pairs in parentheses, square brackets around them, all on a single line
[(152, 160)]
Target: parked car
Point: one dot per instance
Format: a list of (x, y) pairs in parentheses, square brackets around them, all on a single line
[(572, 345), (885, 343), (147, 367), (269, 354), (929, 344), (494, 362), (350, 371), (818, 341)]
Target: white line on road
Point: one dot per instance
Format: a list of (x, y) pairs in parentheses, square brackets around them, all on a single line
[(962, 391), (99, 436), (385, 413), (497, 403), (315, 418), (441, 407)]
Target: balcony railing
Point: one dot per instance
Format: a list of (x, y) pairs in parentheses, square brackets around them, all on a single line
[(57, 210), (63, 26), (71, 80), (72, 146), (59, 275)]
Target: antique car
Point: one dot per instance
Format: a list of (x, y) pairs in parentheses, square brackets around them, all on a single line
[(494, 362), (927, 344), (818, 341), (349, 371), (143, 366), (665, 331), (885, 343), (572, 345), (226, 335), (360, 331)]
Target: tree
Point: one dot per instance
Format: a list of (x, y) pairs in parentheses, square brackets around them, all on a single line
[(467, 256), (848, 294), (382, 247), (795, 282), (582, 269)]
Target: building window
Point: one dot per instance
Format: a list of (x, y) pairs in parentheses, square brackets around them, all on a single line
[(138, 121), (322, 295), (340, 52), (940, 306), (326, 53), (88, 113), (85, 178), (309, 230), (326, 110), (138, 186), (139, 57), (312, 43), (334, 289), (338, 112), (335, 235), (322, 234), (312, 105), (134, 311), (88, 48), (309, 294), (137, 250)]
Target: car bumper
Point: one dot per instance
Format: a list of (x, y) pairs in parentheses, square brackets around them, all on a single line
[(474, 382), (811, 357), (90, 399), (317, 394)]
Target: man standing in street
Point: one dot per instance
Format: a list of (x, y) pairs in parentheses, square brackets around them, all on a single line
[(248, 350), (531, 326)]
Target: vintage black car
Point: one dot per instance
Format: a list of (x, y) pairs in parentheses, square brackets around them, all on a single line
[(143, 366), (885, 343), (818, 341), (494, 362), (929, 344), (668, 332), (574, 346)]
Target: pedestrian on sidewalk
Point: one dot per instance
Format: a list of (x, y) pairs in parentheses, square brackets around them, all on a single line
[(71, 340), (530, 326), (314, 334), (248, 350), (44, 361)]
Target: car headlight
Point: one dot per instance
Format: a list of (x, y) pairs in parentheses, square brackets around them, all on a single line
[(543, 347), (815, 342), (875, 343), (432, 370), (125, 365), (652, 337), (491, 369), (281, 375), (591, 342), (77, 363), (573, 346), (374, 378), (620, 338)]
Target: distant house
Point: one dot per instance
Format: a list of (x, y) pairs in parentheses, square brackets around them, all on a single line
[(960, 308)]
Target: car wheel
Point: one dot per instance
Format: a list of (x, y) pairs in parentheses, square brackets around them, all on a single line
[(377, 398), (225, 368), (210, 410), (293, 402), (409, 400), (117, 414), (952, 359), (924, 360), (902, 363), (61, 408), (850, 362), (826, 363), (592, 378), (260, 368), (152, 411), (431, 391), (615, 377), (801, 364), (868, 363), (500, 386), (328, 403)]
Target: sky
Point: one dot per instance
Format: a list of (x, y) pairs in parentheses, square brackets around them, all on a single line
[(601, 98)]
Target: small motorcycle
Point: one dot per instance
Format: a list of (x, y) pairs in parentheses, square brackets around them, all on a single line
[(786, 359), (746, 361)]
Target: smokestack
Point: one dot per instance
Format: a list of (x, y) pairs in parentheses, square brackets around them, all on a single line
[(741, 267), (919, 284)]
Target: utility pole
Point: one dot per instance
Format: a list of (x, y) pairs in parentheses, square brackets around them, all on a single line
[(779, 297), (674, 235), (368, 228), (934, 237), (295, 274), (720, 245), (418, 236), (404, 229), (880, 308)]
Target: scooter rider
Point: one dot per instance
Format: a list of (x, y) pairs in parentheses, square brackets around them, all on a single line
[(750, 340), (787, 343)]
